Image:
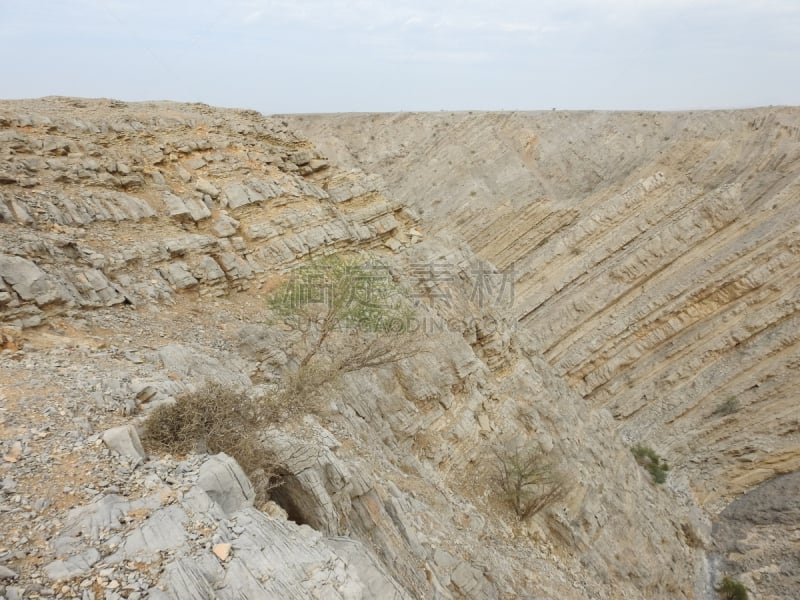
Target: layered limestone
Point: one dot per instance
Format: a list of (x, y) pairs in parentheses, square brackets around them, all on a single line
[(137, 244), (655, 257), (107, 204)]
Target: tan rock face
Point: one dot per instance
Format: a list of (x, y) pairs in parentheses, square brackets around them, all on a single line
[(651, 280), (656, 258), (105, 205)]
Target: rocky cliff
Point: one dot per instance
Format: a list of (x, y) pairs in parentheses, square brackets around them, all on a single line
[(138, 243), (655, 258)]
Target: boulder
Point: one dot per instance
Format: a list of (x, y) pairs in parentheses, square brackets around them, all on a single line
[(225, 226), (6, 573), (30, 282), (206, 187), (125, 441), (223, 480), (75, 566)]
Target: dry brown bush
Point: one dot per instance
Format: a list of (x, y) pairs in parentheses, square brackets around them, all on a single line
[(213, 419), (366, 351), (303, 390), (528, 479), (351, 334)]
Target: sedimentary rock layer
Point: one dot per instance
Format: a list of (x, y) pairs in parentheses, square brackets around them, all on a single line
[(105, 203), (656, 258)]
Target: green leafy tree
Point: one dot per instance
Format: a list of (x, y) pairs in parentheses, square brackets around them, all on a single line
[(349, 299)]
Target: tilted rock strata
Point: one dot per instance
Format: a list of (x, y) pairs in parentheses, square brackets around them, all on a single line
[(103, 204), (266, 556), (389, 486), (655, 256)]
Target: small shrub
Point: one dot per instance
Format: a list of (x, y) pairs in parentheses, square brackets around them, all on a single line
[(216, 419), (730, 406), (730, 589), (303, 390), (650, 460), (342, 291), (352, 312), (528, 479)]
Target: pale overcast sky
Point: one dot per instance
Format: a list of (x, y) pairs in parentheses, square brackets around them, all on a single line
[(337, 55)]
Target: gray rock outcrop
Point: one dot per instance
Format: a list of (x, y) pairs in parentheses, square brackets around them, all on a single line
[(125, 441), (575, 298), (269, 557), (653, 258), (186, 223)]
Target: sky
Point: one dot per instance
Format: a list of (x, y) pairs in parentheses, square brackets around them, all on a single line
[(280, 56)]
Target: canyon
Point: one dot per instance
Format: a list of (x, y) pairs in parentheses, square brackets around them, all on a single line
[(584, 282)]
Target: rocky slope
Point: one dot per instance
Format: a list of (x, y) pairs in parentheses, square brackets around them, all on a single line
[(655, 258), (759, 536), (137, 244)]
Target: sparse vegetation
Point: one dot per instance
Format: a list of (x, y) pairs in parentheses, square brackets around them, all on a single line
[(215, 419), (650, 460), (353, 312), (730, 589), (528, 479), (728, 407), (355, 318)]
